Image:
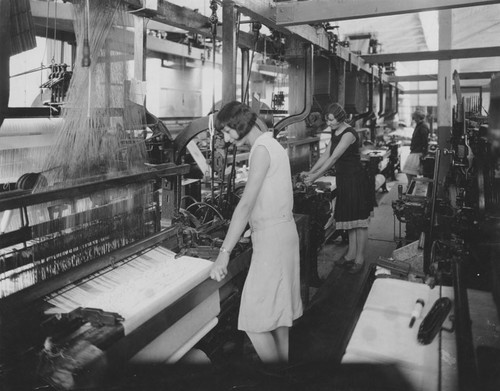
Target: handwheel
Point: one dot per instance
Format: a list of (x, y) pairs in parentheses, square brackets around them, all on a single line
[(205, 213)]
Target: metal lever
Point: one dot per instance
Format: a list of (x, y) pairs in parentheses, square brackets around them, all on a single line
[(96, 316)]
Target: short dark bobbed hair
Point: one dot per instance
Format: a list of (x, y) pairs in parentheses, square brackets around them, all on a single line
[(338, 112), (418, 115), (237, 116)]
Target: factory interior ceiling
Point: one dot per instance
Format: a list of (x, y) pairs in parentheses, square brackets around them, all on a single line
[(409, 27), (406, 33), (472, 27), (475, 25)]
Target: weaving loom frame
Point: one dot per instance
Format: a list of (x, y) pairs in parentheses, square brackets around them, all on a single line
[(18, 299)]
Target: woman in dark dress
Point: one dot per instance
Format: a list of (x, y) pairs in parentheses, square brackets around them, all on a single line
[(354, 203), (418, 147)]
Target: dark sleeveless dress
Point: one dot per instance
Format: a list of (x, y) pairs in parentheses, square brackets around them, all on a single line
[(355, 196)]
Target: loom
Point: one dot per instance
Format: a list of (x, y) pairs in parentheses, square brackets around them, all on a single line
[(20, 140), (89, 277)]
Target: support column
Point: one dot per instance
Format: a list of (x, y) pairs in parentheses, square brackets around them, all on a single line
[(4, 57), (140, 37), (245, 73), (340, 81), (445, 98), (107, 73), (296, 81), (229, 46)]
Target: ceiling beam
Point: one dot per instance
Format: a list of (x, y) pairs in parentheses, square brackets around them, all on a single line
[(168, 14), (259, 10), (441, 55), (263, 11), (180, 17), (464, 89), (433, 77), (292, 13), (189, 20), (156, 47), (419, 92)]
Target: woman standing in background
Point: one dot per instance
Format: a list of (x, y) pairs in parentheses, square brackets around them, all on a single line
[(355, 195), (418, 147)]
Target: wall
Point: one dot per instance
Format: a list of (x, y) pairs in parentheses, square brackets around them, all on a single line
[(181, 90)]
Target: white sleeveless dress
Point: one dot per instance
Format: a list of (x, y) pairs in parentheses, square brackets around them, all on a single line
[(271, 294)]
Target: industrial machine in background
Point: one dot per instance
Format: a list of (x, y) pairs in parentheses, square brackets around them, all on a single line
[(468, 186), (450, 241), (318, 203)]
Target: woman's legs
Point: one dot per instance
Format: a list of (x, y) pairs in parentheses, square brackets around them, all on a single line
[(281, 339), (361, 238), (361, 241), (265, 346), (271, 346), (352, 248)]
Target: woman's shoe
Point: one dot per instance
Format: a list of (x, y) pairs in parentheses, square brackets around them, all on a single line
[(355, 268), (343, 262)]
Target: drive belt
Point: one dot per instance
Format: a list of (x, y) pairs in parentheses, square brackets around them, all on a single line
[(433, 321)]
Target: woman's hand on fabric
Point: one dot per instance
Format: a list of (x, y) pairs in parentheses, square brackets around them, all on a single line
[(219, 269)]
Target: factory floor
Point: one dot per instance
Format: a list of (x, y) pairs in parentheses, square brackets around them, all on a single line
[(324, 330), (317, 340)]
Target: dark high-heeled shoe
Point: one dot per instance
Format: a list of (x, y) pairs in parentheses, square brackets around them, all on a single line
[(355, 268), (343, 262)]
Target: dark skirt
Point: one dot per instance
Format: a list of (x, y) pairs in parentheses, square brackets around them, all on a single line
[(355, 200)]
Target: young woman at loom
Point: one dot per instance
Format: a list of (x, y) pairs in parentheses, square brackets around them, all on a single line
[(418, 147), (271, 298), (355, 197)]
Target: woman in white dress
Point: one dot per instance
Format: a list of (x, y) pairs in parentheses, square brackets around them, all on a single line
[(271, 295)]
